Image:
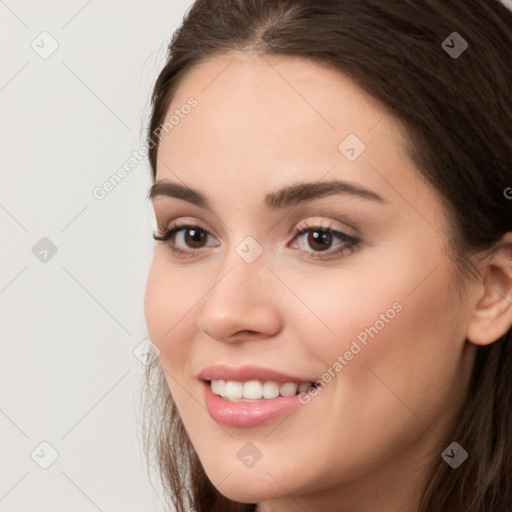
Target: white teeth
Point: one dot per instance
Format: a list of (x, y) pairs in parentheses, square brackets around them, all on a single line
[(270, 390), (304, 386), (288, 389), (215, 386), (255, 389), (234, 389)]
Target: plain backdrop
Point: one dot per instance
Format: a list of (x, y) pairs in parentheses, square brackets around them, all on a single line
[(75, 80)]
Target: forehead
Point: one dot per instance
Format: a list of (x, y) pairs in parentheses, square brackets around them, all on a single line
[(265, 121)]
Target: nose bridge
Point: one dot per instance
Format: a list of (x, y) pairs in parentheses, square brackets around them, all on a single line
[(240, 298)]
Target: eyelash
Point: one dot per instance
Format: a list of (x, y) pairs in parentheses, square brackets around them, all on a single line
[(351, 243)]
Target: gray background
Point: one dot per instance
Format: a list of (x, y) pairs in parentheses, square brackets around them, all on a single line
[(70, 321), (69, 324)]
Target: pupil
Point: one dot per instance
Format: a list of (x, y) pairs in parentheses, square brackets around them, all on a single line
[(323, 238), (196, 236)]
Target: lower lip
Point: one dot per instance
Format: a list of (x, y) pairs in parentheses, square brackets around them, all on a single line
[(247, 414)]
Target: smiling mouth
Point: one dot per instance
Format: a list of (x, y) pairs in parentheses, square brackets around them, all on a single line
[(254, 390)]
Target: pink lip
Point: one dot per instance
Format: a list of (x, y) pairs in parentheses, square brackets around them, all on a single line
[(247, 372), (247, 414)]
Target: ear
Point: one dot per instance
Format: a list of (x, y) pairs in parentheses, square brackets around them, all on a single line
[(491, 317)]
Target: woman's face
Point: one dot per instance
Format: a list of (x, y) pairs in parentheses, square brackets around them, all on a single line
[(372, 316)]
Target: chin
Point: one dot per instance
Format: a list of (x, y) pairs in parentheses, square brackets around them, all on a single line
[(247, 485)]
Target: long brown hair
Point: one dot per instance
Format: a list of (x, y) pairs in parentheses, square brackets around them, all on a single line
[(456, 112)]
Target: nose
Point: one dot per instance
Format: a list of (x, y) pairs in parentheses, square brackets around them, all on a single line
[(242, 303)]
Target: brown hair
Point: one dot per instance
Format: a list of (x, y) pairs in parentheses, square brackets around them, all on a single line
[(457, 117)]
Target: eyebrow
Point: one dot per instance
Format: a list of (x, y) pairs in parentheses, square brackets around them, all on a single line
[(287, 196)]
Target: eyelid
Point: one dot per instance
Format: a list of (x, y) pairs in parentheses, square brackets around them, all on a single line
[(184, 222), (307, 223), (323, 223)]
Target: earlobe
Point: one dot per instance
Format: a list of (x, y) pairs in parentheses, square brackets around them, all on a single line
[(492, 314)]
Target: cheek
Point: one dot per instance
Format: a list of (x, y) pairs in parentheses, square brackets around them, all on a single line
[(167, 302), (389, 330), (155, 301), (172, 300), (168, 299), (384, 299)]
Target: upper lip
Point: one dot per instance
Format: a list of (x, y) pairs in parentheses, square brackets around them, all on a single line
[(247, 372)]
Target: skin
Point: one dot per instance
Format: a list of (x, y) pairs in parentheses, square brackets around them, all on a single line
[(368, 439)]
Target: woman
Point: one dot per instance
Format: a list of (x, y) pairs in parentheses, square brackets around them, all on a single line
[(331, 290)]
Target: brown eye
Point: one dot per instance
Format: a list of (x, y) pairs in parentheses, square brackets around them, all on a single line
[(185, 239), (319, 239), (324, 242), (194, 237)]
